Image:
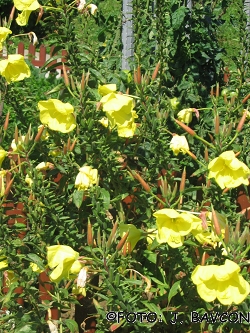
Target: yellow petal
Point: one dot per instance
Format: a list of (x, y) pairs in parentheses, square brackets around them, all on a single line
[(106, 89), (23, 18), (26, 4), (14, 68)]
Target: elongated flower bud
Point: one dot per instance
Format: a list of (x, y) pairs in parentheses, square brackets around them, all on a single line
[(73, 145), (99, 239), (183, 180), (139, 74), (206, 155), (90, 234), (83, 81), (141, 180), (112, 235), (245, 99), (217, 125), (185, 127), (216, 223), (6, 123), (217, 94), (12, 13), (156, 70), (8, 187), (226, 236), (72, 83), (122, 241), (65, 76), (203, 259), (39, 133), (242, 121)]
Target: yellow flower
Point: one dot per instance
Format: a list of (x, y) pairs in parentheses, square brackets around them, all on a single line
[(173, 226), (3, 153), (44, 166), (185, 115), (205, 232), (2, 182), (179, 144), (104, 121), (64, 260), (228, 171), (57, 115), (93, 8), (3, 264), (28, 180), (106, 89), (4, 32), (128, 128), (35, 268), (19, 145), (120, 113), (86, 178), (117, 103), (79, 291), (222, 282), (14, 68), (10, 278), (26, 6)]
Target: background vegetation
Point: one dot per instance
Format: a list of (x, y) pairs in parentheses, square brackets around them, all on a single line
[(195, 49)]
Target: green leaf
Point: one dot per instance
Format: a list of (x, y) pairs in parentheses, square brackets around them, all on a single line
[(178, 17), (35, 259), (174, 290), (27, 328), (19, 226), (72, 325), (56, 89), (77, 198), (105, 197), (154, 308), (97, 75)]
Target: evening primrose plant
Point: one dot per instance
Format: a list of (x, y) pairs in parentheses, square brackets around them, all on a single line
[(116, 195)]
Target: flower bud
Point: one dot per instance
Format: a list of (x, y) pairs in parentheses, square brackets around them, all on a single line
[(39, 133), (90, 234), (6, 123), (157, 67), (122, 241), (186, 128), (242, 121)]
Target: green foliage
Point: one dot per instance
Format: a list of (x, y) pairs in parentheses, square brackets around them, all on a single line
[(137, 175)]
